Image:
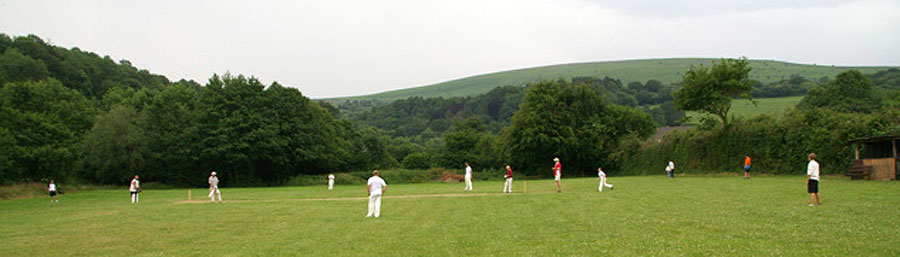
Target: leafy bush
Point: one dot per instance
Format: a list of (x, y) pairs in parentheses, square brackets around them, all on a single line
[(776, 146), (417, 161), (400, 176)]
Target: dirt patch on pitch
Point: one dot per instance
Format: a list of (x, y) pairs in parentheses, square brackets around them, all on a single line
[(346, 198)]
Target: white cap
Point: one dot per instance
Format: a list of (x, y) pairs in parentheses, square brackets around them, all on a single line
[(556, 159), (213, 173)]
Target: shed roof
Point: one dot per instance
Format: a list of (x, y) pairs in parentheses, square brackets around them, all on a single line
[(875, 139)]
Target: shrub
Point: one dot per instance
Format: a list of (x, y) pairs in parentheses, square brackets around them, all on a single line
[(417, 161), (399, 176), (776, 146)]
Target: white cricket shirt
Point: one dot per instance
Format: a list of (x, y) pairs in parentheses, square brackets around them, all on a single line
[(213, 181), (812, 169), (134, 185), (376, 184)]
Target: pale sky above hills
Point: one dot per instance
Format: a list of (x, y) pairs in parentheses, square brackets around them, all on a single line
[(343, 48)]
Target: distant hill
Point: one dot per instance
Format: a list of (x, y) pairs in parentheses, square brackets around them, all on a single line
[(664, 70)]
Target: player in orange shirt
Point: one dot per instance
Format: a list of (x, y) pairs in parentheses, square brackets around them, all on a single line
[(747, 166)]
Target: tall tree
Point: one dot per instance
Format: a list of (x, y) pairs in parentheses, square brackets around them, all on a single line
[(710, 90), (114, 149), (569, 121), (262, 136), (14, 66), (45, 122), (850, 91), (169, 126)]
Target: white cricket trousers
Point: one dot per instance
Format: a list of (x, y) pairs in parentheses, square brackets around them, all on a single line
[(330, 184), (603, 184), (134, 197), (507, 187), (374, 206), (213, 192), (468, 183)]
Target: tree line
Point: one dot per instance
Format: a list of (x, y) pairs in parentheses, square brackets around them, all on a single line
[(848, 107), (75, 116)]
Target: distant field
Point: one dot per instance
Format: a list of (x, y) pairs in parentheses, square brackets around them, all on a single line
[(665, 70), (643, 216), (774, 107)]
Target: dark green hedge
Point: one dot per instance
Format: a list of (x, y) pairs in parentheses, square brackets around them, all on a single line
[(776, 146)]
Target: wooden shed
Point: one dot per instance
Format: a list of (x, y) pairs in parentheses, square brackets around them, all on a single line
[(879, 159)]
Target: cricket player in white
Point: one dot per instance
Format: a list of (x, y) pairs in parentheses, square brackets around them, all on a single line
[(812, 180), (330, 181), (133, 188), (214, 187), (670, 169), (375, 187), (468, 177), (602, 178), (557, 174), (51, 188)]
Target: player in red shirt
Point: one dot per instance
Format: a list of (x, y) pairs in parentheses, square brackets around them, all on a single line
[(557, 173), (507, 187)]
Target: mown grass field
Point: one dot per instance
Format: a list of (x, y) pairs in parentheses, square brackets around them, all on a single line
[(773, 107), (643, 216), (664, 70)]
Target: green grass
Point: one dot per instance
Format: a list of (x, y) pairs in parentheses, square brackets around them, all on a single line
[(644, 215), (773, 107), (665, 70)]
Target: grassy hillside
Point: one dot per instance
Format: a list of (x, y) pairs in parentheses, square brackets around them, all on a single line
[(774, 107), (665, 70), (643, 216)]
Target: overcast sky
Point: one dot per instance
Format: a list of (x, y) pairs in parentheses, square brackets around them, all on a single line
[(342, 48)]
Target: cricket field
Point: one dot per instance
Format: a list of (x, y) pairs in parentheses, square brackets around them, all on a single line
[(643, 216)]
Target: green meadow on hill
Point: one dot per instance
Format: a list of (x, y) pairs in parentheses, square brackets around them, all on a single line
[(664, 70), (773, 107)]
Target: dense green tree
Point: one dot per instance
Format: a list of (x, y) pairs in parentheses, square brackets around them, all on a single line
[(710, 90), (666, 114), (29, 58), (887, 79), (461, 142), (169, 126), (572, 122), (259, 135), (7, 165), (794, 86), (114, 149), (373, 151), (414, 116), (850, 91), (400, 147), (417, 161), (14, 66), (654, 86), (45, 122)]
